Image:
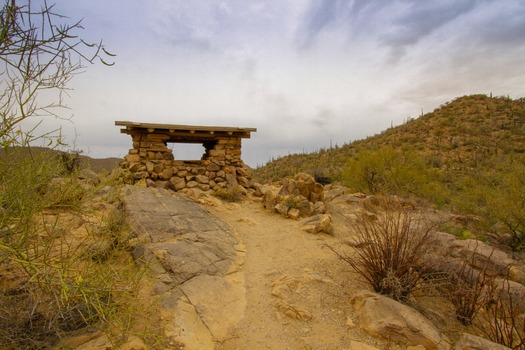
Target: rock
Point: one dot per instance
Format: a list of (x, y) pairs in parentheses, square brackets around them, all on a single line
[(219, 302), (231, 180), (292, 310), (284, 288), (88, 176), (258, 189), (202, 179), (383, 317), (102, 343), (305, 207), (511, 293), (162, 184), (282, 208), (317, 224), (195, 258), (132, 158), (192, 184), (176, 183), (471, 342), (284, 204), (188, 328), (319, 208), (204, 187), (355, 345), (213, 167), (140, 175), (157, 168), (243, 181), (149, 167), (166, 174), (484, 257), (294, 213), (333, 193), (476, 254), (304, 185)]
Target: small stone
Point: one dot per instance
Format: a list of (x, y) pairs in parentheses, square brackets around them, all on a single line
[(192, 184), (293, 213), (202, 179)]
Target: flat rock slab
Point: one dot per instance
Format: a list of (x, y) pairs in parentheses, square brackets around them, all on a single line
[(195, 258), (178, 238)]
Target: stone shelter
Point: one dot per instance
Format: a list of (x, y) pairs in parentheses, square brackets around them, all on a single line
[(151, 158)]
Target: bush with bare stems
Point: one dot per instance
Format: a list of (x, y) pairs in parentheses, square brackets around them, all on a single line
[(502, 322), (389, 249)]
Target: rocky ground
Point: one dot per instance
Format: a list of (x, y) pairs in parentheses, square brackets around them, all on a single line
[(241, 276)]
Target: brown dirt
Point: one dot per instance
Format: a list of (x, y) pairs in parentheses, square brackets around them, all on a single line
[(298, 291)]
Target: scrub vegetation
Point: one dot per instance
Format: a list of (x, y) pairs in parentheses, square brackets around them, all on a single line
[(64, 248), (467, 156)]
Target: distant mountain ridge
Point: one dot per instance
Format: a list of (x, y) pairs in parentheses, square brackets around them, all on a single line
[(97, 165), (469, 131)]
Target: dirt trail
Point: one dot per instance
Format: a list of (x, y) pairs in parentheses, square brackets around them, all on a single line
[(287, 271)]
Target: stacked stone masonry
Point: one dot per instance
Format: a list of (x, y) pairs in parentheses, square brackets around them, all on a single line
[(221, 165)]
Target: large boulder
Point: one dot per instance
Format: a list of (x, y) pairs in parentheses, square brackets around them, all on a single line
[(386, 318)]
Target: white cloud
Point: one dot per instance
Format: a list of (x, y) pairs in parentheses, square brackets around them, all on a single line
[(302, 72)]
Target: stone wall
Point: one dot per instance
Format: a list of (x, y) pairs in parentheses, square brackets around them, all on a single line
[(221, 165)]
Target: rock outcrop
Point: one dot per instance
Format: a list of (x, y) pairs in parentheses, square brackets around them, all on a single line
[(386, 318), (195, 258), (300, 197)]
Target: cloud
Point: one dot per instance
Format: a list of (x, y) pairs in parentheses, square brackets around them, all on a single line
[(320, 15), (323, 117), (301, 71), (422, 18)]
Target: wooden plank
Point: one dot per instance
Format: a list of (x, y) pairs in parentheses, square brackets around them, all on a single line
[(188, 128)]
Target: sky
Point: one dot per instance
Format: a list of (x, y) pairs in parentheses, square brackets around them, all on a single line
[(307, 74)]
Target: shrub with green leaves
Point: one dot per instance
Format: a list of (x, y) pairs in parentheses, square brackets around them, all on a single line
[(390, 171)]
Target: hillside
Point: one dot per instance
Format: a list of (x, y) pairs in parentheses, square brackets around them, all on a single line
[(97, 165), (467, 132)]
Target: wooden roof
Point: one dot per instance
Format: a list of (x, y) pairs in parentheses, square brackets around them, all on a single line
[(184, 133)]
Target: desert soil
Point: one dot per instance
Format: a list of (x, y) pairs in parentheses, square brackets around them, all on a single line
[(298, 291)]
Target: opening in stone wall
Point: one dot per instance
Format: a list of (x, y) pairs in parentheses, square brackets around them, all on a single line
[(187, 151)]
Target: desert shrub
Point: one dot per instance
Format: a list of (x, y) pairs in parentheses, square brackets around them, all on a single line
[(496, 195), (230, 193), (468, 289), (502, 322), (49, 286), (389, 171), (389, 250)]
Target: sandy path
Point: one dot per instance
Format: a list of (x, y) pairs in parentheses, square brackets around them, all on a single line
[(312, 279)]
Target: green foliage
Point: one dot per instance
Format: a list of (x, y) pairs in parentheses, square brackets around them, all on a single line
[(51, 288), (498, 196), (388, 171), (47, 286), (468, 156)]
